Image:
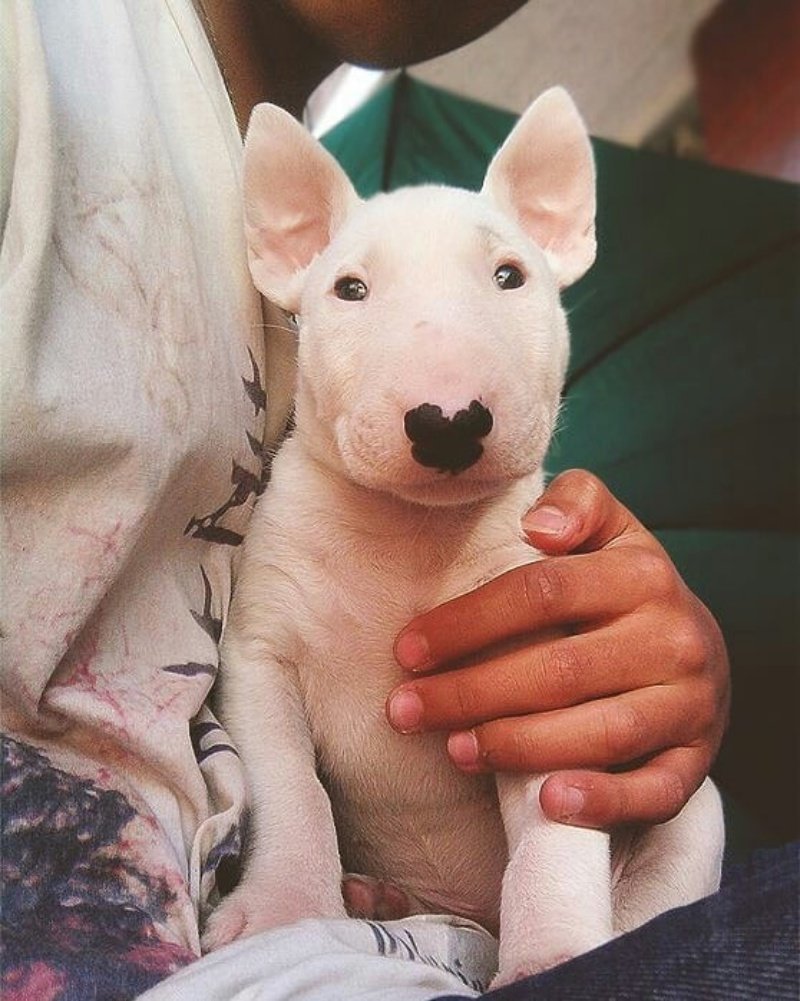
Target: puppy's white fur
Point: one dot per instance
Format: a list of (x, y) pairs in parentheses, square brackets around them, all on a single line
[(354, 537)]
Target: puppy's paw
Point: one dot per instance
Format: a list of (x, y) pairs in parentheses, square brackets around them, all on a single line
[(367, 897), (237, 916), (253, 908)]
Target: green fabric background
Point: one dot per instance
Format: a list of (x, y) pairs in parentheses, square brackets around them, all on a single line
[(682, 393)]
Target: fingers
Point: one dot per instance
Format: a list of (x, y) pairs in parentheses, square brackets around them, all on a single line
[(612, 731), (549, 593), (543, 676), (652, 794), (596, 657), (577, 512)]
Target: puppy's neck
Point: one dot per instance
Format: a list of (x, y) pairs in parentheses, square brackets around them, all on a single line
[(446, 534)]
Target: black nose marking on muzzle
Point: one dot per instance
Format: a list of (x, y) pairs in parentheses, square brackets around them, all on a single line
[(449, 444)]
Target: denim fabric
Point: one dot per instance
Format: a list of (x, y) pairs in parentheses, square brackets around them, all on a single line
[(740, 943)]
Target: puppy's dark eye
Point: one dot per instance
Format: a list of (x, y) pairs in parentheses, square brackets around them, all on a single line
[(350, 289), (508, 276)]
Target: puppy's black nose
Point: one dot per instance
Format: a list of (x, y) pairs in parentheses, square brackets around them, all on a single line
[(449, 444)]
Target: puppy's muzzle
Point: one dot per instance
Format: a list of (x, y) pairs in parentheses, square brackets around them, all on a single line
[(449, 444)]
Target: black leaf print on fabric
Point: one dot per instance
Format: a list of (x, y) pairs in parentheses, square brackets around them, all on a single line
[(191, 669), (266, 453), (206, 619), (246, 484), (255, 446), (199, 730), (79, 914), (206, 527), (264, 456), (214, 533), (253, 387)]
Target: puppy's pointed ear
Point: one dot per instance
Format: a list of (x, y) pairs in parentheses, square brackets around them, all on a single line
[(544, 175), (295, 198)]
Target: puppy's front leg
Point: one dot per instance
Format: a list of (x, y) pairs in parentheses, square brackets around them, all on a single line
[(292, 869), (556, 901), (671, 864)]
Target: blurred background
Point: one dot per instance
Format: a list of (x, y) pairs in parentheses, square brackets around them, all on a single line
[(701, 78)]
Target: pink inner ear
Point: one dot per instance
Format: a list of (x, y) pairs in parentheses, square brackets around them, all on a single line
[(305, 241), (562, 219), (296, 196), (544, 175), (294, 238), (555, 200)]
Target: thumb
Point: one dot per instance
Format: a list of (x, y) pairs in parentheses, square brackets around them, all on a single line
[(578, 513)]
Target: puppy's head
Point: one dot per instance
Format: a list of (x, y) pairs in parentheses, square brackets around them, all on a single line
[(433, 345)]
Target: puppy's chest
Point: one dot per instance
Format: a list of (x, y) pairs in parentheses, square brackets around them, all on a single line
[(360, 596), (403, 811)]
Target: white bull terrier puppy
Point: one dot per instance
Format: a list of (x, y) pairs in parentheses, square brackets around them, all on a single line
[(432, 353)]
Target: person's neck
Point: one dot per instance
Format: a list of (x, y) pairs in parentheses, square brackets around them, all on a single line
[(263, 54)]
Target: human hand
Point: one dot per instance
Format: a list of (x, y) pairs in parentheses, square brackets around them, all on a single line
[(636, 674)]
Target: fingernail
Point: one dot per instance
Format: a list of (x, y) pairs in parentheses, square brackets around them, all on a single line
[(545, 520), (463, 749), (572, 802), (405, 711), (411, 651)]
